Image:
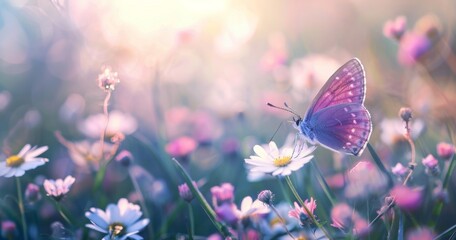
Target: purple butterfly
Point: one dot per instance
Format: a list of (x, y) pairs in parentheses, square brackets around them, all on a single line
[(337, 118)]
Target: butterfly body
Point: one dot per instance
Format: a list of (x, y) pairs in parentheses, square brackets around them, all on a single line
[(337, 118)]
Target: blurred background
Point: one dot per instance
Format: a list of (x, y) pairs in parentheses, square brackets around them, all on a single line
[(205, 69)]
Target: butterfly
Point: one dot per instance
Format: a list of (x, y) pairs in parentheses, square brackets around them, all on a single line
[(337, 118)]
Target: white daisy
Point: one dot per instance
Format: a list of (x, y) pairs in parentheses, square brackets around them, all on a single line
[(279, 161), (59, 187), (26, 159), (252, 208), (119, 122), (119, 221)]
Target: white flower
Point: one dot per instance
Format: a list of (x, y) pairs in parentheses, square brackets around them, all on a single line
[(59, 187), (394, 129), (26, 159), (252, 208), (279, 161), (119, 221), (119, 122)]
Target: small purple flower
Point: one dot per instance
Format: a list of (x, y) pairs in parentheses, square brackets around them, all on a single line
[(399, 170), (406, 199), (185, 192), (422, 233), (411, 47), (432, 165), (266, 196), (32, 193), (228, 213), (395, 28), (125, 158), (430, 161), (223, 193), (445, 150), (8, 229)]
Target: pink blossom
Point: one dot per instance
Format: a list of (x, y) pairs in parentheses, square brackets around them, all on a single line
[(59, 187), (336, 181), (399, 170), (298, 210), (395, 28), (345, 217), (430, 161), (445, 150), (411, 47), (8, 229), (181, 147), (422, 233), (223, 193), (407, 199), (185, 192), (108, 79)]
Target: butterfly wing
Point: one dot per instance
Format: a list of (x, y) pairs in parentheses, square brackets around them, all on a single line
[(344, 127), (346, 85)]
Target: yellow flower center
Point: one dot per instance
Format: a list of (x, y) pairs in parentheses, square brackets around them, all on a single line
[(282, 161), (116, 229), (275, 221), (14, 161)]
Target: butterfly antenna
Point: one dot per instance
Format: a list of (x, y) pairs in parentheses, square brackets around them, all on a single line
[(273, 135), (286, 108)]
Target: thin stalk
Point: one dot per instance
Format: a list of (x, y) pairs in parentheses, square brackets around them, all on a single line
[(445, 232), (400, 230), (191, 231), (379, 164), (438, 208), (106, 113), (62, 213), (310, 214), (170, 218), (285, 192), (324, 185), (412, 149), (284, 224), (204, 204), (142, 202), (381, 214), (21, 208)]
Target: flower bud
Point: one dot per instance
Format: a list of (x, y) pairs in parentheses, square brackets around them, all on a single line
[(266, 196)]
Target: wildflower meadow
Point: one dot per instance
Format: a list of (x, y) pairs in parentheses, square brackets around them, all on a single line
[(226, 119)]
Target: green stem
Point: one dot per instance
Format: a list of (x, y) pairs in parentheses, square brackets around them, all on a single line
[(285, 192), (142, 202), (170, 218), (445, 232), (21, 208), (191, 232), (379, 164), (400, 231), (438, 208), (62, 213), (204, 204), (99, 177), (284, 224), (310, 214), (324, 185)]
